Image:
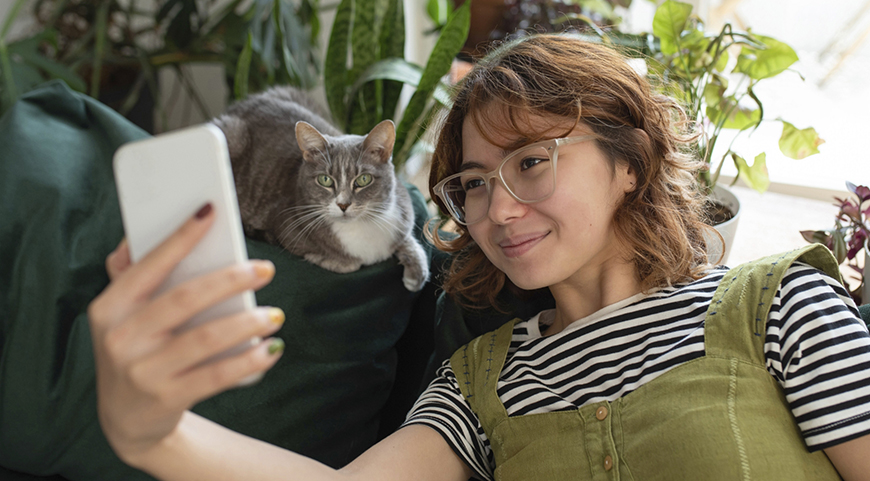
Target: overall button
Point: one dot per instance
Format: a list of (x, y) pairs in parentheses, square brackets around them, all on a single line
[(608, 463), (601, 413)]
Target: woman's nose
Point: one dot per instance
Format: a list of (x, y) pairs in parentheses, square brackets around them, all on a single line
[(502, 205)]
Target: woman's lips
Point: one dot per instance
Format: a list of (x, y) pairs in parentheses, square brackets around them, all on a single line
[(519, 245)]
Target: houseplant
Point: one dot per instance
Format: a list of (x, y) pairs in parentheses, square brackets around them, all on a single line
[(365, 70), (848, 238), (95, 45), (719, 92)]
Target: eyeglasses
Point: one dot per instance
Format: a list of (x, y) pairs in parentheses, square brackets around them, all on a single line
[(528, 174)]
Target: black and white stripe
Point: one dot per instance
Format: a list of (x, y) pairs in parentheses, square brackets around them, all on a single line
[(816, 347)]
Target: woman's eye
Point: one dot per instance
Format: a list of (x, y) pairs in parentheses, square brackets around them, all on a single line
[(363, 180), (325, 180), (530, 162), (472, 184)]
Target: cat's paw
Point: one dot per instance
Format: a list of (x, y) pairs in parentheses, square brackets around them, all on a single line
[(414, 279), (340, 266), (412, 256)]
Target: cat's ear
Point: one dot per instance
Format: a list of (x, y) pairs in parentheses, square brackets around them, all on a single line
[(310, 141), (379, 142)]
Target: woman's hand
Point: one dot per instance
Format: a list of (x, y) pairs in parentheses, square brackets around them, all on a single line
[(147, 375)]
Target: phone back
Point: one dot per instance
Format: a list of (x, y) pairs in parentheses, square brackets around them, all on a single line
[(162, 182)]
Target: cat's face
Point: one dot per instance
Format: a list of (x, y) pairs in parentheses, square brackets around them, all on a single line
[(348, 177)]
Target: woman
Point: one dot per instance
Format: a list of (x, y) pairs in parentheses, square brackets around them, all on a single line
[(562, 170)]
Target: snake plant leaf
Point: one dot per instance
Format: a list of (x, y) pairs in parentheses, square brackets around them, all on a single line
[(754, 175), (335, 66), (392, 46), (401, 71), (767, 62), (363, 106), (668, 23), (799, 143), (449, 43), (243, 67)]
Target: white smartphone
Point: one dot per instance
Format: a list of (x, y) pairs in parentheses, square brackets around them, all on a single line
[(162, 182)]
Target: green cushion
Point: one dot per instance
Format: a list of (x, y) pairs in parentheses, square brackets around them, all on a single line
[(59, 219)]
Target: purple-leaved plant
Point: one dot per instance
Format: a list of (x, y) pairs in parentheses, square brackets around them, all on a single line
[(850, 233)]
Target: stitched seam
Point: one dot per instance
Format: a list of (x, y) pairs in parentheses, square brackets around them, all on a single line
[(489, 359), (465, 372), (732, 416)]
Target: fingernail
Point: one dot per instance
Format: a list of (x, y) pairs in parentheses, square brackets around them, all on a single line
[(203, 211), (276, 316), (276, 345), (264, 269)]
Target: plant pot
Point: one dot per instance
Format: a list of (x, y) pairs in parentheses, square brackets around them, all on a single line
[(727, 229)]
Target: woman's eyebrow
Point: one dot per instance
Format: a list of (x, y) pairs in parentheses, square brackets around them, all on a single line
[(471, 165)]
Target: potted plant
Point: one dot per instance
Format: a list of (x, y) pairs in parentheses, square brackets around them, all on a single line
[(715, 75), (848, 238), (97, 45)]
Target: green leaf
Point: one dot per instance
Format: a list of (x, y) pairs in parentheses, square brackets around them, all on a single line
[(438, 10), (27, 51), (364, 52), (755, 175), (392, 46), (798, 144), (396, 69), (449, 43), (816, 236), (839, 248), (739, 118), (765, 63), (668, 23), (335, 65), (243, 67)]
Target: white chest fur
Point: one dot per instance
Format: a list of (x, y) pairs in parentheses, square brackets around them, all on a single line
[(369, 240)]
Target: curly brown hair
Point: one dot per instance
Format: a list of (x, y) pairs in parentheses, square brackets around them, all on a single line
[(571, 79)]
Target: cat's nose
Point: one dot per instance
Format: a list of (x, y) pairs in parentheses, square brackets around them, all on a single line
[(343, 207)]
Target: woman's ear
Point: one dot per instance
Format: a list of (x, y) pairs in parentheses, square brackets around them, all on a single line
[(627, 177)]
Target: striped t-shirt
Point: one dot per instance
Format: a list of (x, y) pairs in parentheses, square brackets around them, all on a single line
[(817, 347)]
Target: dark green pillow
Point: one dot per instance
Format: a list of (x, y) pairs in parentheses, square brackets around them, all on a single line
[(59, 218)]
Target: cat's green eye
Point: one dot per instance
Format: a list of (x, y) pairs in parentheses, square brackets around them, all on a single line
[(325, 180), (363, 180)]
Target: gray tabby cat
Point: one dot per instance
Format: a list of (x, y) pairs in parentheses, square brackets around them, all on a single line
[(329, 197)]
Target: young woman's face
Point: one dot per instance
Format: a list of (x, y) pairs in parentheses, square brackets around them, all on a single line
[(567, 237)]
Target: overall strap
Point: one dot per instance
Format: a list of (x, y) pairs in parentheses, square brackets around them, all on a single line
[(736, 320), (477, 366)]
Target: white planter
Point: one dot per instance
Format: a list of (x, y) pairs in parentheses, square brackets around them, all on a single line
[(726, 229)]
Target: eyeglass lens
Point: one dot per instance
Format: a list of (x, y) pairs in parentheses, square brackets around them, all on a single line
[(527, 174)]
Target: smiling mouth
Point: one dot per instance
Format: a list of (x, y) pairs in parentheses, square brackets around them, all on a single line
[(520, 245)]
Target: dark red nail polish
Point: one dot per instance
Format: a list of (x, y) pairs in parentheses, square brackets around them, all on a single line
[(203, 211)]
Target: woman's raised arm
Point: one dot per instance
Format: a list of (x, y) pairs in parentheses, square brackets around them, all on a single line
[(148, 377)]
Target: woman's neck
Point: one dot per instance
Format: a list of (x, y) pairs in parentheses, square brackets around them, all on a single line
[(586, 293)]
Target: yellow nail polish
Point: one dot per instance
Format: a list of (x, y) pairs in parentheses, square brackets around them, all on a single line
[(276, 345), (276, 315), (264, 270)]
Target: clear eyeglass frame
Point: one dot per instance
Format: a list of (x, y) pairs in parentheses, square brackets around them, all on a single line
[(550, 146)]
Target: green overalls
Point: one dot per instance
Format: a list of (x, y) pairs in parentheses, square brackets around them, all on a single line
[(719, 417)]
